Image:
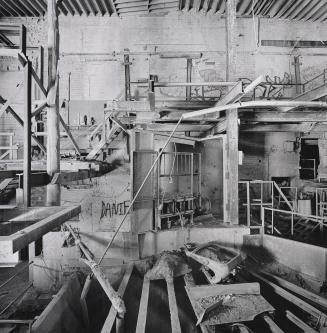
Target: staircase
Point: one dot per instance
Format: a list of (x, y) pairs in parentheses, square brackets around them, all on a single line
[(105, 142), (303, 230)]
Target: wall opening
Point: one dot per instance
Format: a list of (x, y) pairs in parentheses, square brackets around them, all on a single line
[(309, 158)]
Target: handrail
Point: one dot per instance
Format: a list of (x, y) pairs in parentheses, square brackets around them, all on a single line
[(283, 196), (321, 221)]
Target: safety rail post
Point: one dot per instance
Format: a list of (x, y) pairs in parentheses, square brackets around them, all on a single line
[(248, 213), (272, 221), (292, 223), (263, 219)]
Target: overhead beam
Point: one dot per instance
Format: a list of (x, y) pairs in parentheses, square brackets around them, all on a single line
[(289, 117), (181, 127)]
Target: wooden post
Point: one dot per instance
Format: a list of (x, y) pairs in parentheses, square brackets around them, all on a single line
[(27, 133), (297, 75), (53, 139), (188, 78), (231, 118), (127, 77)]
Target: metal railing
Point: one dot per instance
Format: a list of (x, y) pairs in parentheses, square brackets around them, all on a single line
[(293, 218), (321, 78), (271, 187)]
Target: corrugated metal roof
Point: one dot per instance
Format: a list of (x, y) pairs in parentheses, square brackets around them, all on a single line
[(303, 10)]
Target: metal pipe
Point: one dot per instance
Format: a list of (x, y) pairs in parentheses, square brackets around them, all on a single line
[(188, 84), (251, 104)]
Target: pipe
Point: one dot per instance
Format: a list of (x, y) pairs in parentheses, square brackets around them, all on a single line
[(252, 104)]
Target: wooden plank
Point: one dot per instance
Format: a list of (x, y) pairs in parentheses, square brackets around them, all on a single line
[(39, 83), (5, 183), (49, 319), (289, 117), (299, 323), (108, 324), (10, 52), (143, 309), (311, 297), (180, 128), (36, 179), (235, 289), (66, 128), (68, 177), (11, 99), (189, 282), (232, 166), (173, 308), (320, 316), (30, 234), (271, 324), (53, 144)]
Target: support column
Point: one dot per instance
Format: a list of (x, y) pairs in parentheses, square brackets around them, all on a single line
[(27, 133), (53, 139), (188, 78), (232, 118)]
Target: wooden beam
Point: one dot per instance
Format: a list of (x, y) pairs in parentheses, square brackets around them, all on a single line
[(173, 308), (108, 324), (85, 7), (320, 317), (39, 83), (181, 127), (271, 324), (289, 117), (22, 238), (304, 127), (311, 297), (53, 139), (70, 135), (27, 133), (21, 123), (36, 179), (254, 104), (53, 156), (231, 118), (299, 323), (143, 308), (10, 100), (188, 78)]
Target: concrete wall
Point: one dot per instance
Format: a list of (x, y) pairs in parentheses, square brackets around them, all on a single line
[(308, 260), (268, 155), (168, 240)]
